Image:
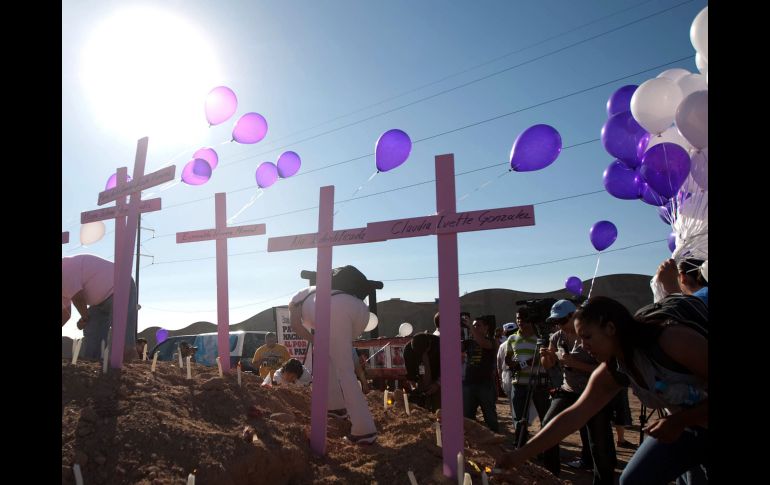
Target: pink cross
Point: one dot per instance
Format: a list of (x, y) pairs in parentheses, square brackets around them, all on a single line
[(65, 237), (221, 233), (324, 240), (445, 225), (125, 237)]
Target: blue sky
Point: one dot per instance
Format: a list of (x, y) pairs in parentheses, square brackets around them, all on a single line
[(303, 63)]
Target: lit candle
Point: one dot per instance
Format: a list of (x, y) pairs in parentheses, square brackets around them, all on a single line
[(467, 479), (144, 352), (154, 361), (189, 372), (412, 479), (406, 404), (385, 399), (219, 366), (190, 479), (78, 474), (104, 365), (460, 468), (438, 435)]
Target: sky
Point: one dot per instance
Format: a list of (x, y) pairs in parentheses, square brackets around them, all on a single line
[(330, 77)]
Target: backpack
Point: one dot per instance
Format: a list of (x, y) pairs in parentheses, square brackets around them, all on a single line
[(348, 279), (685, 309)]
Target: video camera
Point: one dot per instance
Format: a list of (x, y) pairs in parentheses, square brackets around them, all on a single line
[(536, 312)]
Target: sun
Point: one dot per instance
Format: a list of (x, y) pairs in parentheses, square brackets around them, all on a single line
[(146, 72)]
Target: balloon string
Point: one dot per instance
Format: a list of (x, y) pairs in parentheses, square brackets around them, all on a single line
[(359, 188), (482, 186), (592, 279), (253, 199)]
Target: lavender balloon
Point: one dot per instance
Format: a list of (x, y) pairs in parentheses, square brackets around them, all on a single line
[(666, 213), (535, 148), (672, 241), (113, 181), (161, 335), (250, 128), (267, 174), (665, 168), (603, 234), (649, 196), (209, 155), (221, 104), (391, 150), (574, 285), (620, 100), (196, 172), (288, 164), (622, 182), (624, 138)]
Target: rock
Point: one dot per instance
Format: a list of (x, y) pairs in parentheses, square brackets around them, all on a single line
[(283, 417)]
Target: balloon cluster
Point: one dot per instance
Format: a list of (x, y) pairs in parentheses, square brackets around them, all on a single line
[(658, 134)]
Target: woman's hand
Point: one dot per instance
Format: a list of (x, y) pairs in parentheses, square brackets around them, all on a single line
[(666, 430)]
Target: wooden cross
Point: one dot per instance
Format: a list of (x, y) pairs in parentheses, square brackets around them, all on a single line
[(445, 225), (323, 240), (125, 237), (221, 233)]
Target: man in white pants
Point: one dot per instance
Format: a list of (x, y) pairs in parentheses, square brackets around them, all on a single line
[(349, 316)]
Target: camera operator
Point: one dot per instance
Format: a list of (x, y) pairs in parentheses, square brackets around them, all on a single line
[(519, 356), (566, 350)]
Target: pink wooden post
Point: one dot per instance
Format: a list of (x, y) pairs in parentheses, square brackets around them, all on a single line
[(446, 224), (324, 240), (221, 233), (65, 237), (125, 238)]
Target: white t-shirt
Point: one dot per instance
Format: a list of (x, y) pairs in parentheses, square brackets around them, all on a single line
[(92, 274), (343, 306), (304, 380)]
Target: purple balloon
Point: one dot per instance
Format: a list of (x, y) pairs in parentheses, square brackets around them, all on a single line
[(623, 138), (391, 150), (574, 285), (672, 241), (196, 172), (250, 128), (622, 182), (536, 147), (267, 174), (620, 100), (603, 234), (113, 181), (220, 105), (649, 196), (209, 155), (161, 335), (288, 164), (666, 213), (665, 168)]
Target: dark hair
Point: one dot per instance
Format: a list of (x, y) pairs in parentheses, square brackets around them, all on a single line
[(141, 340), (490, 326), (436, 320), (630, 332), (293, 366), (690, 267)]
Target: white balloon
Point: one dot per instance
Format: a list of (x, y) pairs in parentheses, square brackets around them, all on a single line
[(373, 321), (692, 119), (654, 104), (702, 65), (699, 168), (699, 33), (91, 232), (674, 74), (671, 135), (405, 329), (704, 270), (691, 83)]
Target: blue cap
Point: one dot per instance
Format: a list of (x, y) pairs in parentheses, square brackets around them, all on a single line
[(561, 309)]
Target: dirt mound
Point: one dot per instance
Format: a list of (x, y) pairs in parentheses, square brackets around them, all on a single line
[(133, 427)]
